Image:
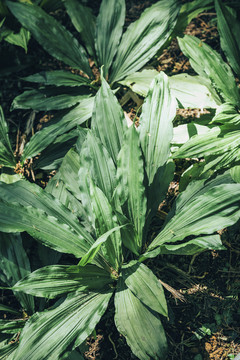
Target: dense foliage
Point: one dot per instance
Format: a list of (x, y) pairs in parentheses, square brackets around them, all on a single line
[(90, 228)]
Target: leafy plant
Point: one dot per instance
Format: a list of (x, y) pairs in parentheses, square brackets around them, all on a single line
[(53, 148), (113, 183), (101, 39), (220, 145)]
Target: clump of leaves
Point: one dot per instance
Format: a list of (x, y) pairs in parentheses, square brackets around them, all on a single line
[(111, 186), (220, 145)]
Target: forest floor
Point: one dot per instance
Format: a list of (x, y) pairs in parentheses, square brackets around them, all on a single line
[(202, 291)]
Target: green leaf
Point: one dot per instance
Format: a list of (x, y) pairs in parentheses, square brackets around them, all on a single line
[(49, 98), (195, 246), (145, 286), (84, 22), (52, 334), (144, 38), (11, 326), (20, 39), (51, 158), (58, 126), (141, 326), (219, 146), (6, 153), (193, 91), (156, 129), (227, 114), (27, 194), (209, 64), (109, 31), (58, 78), (51, 35), (8, 309), (189, 11), (140, 81), (130, 176), (108, 121), (101, 165), (99, 243), (106, 228), (229, 29), (47, 229), (7, 350), (203, 208), (15, 265), (235, 173), (55, 280)]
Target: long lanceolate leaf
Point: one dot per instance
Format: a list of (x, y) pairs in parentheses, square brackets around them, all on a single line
[(6, 153), (130, 177), (15, 265), (229, 30), (49, 98), (156, 131), (84, 21), (144, 38), (58, 126), (201, 209), (141, 326), (145, 286), (108, 121), (105, 221), (58, 78), (109, 31), (51, 35), (101, 165), (209, 64), (55, 280), (51, 334), (45, 228), (27, 194)]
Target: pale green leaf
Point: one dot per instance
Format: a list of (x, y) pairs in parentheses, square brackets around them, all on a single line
[(20, 39), (141, 327), (140, 81), (209, 64), (193, 91), (144, 38), (109, 28), (145, 286), (52, 334), (51, 35)]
